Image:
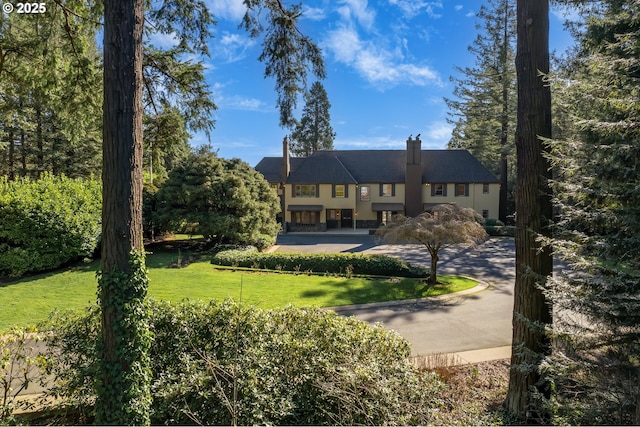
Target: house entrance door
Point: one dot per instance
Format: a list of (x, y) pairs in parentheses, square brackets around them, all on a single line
[(347, 218)]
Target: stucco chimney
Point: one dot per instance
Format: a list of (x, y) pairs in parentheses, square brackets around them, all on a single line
[(413, 177), (286, 162)]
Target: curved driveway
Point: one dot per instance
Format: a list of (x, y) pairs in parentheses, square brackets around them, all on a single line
[(476, 321)]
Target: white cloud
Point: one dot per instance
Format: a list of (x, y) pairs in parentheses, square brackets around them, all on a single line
[(232, 10), (438, 134), (313, 13), (379, 66), (565, 12), (458, 7), (164, 41), (364, 142), (357, 10), (412, 8), (238, 102), (233, 47)]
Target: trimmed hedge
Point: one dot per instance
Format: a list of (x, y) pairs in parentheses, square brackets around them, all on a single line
[(227, 364), (47, 222), (342, 263), (497, 230)]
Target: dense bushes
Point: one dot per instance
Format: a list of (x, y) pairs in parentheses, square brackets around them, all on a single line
[(222, 363), (47, 222), (495, 227), (224, 200), (321, 263)]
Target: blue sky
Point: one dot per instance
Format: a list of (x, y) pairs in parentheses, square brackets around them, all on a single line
[(388, 65)]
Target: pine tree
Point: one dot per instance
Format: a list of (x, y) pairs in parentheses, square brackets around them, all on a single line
[(51, 119), (595, 367), (484, 111), (314, 132), (287, 53), (534, 261)]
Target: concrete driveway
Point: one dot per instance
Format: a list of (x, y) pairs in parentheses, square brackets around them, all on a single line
[(477, 321)]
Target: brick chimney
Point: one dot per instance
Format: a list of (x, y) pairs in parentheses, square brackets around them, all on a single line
[(286, 162), (413, 178)]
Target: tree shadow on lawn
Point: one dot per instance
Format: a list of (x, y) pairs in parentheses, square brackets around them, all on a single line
[(346, 293), (83, 266)]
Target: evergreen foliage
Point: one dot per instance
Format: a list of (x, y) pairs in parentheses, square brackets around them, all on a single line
[(314, 131), (225, 200), (47, 222), (50, 101), (595, 366), (222, 363), (286, 52), (483, 111)]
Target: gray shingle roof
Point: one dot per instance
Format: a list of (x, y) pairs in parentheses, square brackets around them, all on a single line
[(371, 166), (321, 170), (453, 166)]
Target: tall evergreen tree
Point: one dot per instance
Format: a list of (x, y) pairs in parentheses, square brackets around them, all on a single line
[(314, 131), (534, 261), (595, 365), (51, 119), (484, 110), (287, 53), (123, 386)]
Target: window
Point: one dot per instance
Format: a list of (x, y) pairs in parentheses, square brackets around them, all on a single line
[(339, 190), (485, 188), (438, 190), (386, 216), (365, 193), (462, 190), (386, 190), (305, 190), (306, 217)]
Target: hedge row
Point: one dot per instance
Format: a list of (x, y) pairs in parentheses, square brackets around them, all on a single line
[(226, 364), (497, 230), (342, 263)]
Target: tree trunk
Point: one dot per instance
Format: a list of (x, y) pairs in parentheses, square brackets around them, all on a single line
[(12, 144), (533, 209), (433, 277), (122, 195), (39, 141), (504, 125)]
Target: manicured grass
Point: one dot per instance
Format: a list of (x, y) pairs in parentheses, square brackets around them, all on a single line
[(30, 300)]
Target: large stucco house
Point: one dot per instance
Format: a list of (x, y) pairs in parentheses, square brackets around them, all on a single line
[(364, 188)]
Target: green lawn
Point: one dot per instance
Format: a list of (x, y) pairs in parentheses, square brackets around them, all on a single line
[(29, 300)]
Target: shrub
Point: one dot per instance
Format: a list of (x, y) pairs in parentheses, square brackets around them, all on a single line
[(506, 230), (47, 222), (379, 265), (222, 363), (224, 200), (492, 222)]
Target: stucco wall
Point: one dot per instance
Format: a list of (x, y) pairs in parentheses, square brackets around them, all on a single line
[(476, 198)]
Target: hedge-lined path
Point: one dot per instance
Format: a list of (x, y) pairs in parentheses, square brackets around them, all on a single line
[(474, 321)]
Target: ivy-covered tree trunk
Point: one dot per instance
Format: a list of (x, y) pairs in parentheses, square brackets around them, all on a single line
[(123, 386), (534, 263)]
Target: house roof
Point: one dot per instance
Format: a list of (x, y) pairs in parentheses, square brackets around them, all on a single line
[(321, 170), (455, 166), (370, 166)]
